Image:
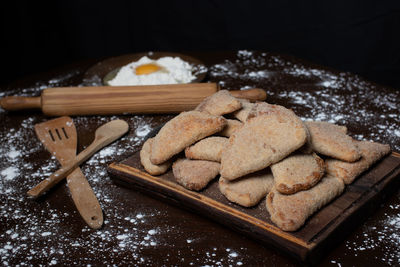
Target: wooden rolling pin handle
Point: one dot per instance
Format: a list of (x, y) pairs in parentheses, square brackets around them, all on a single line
[(252, 95), (107, 100), (20, 102)]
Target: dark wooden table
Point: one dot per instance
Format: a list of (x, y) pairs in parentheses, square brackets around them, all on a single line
[(140, 230)]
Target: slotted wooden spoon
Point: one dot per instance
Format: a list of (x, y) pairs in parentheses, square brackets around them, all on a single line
[(60, 139), (104, 135)]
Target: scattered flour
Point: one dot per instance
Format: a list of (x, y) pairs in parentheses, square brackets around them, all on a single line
[(13, 154), (143, 130), (152, 232), (10, 173), (387, 230), (334, 100), (22, 243)]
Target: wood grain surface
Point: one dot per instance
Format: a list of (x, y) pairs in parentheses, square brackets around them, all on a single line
[(307, 243), (60, 138), (114, 100), (183, 237)]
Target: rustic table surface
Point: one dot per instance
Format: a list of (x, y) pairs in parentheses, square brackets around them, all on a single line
[(141, 230)]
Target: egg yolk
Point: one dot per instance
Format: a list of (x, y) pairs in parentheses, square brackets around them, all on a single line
[(147, 69)]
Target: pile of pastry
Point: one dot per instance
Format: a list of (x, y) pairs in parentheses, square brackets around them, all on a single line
[(260, 150)]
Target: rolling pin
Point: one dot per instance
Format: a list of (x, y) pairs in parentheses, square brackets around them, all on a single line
[(109, 100)]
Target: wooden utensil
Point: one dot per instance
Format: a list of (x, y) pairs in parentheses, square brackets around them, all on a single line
[(107, 100), (60, 139), (104, 135)]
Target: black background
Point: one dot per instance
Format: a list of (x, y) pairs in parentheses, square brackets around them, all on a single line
[(357, 36)]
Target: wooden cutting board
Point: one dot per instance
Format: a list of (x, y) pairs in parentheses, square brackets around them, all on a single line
[(321, 232)]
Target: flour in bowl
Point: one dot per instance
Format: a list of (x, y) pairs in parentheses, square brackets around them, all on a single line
[(146, 71)]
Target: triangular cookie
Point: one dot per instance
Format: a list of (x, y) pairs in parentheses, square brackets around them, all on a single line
[(209, 148), (182, 131), (331, 140), (194, 174), (220, 103), (348, 171), (289, 212), (248, 190)]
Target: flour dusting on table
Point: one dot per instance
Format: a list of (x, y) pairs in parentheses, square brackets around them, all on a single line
[(388, 230), (40, 237), (19, 172), (338, 98)]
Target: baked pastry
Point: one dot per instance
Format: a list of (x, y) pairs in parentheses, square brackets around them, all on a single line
[(151, 168), (248, 190), (230, 128), (242, 113), (331, 140), (209, 148), (220, 103), (297, 172), (263, 140), (289, 212), (194, 174), (263, 108), (182, 131), (371, 152)]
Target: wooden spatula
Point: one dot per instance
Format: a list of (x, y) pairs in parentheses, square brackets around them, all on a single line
[(104, 135), (60, 139)]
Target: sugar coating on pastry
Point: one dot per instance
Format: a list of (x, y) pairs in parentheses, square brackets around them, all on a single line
[(220, 103), (151, 168), (182, 131), (371, 152), (297, 172), (230, 128), (209, 148), (248, 190), (331, 140), (194, 174), (242, 113), (263, 140), (289, 212)]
